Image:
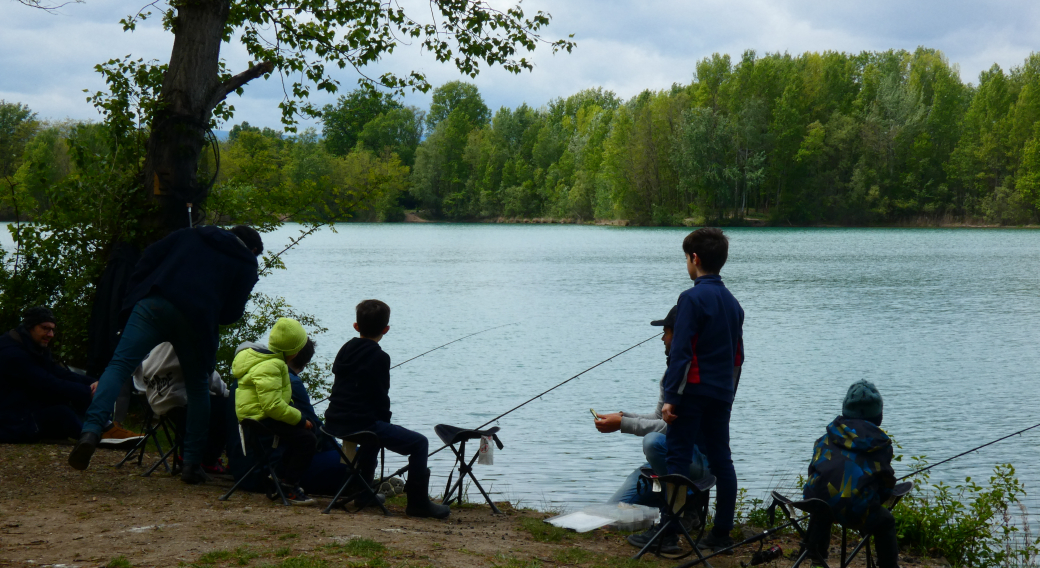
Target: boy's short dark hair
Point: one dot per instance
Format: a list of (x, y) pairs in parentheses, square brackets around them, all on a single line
[(303, 358), (372, 317), (250, 237), (710, 245)]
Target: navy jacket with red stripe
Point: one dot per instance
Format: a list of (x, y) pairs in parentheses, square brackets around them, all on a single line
[(708, 346)]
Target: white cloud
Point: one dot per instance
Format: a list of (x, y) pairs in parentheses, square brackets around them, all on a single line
[(623, 45)]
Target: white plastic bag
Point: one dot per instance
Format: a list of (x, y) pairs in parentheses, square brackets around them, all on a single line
[(486, 454)]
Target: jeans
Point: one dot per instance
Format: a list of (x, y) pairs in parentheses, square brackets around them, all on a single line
[(399, 440), (706, 420), (325, 475), (298, 443), (153, 321), (655, 447), (58, 421), (882, 527)]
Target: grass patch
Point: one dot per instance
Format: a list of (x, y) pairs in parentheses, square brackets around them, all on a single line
[(513, 562), (358, 546), (289, 536), (542, 531), (119, 562), (240, 556), (283, 552), (299, 562)]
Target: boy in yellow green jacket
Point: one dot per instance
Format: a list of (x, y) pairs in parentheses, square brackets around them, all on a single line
[(263, 395)]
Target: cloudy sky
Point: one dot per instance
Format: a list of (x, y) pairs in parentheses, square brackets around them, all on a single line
[(47, 60)]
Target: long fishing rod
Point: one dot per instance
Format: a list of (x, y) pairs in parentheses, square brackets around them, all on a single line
[(975, 449), (434, 349), (539, 395)]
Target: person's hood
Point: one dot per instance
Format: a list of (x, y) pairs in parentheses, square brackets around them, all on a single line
[(249, 358), (225, 241), (858, 435), (353, 350)]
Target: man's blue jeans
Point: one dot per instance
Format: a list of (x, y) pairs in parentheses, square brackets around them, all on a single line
[(154, 321), (655, 447), (706, 420), (399, 440)]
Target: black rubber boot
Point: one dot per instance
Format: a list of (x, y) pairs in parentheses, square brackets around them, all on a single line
[(193, 474), (419, 505), (80, 456)]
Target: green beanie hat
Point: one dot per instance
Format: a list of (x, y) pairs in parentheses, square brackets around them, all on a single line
[(862, 401), (287, 336)]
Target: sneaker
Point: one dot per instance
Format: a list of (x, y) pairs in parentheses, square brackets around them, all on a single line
[(691, 521), (713, 542), (116, 435), (296, 496), (80, 456), (216, 468), (668, 543)]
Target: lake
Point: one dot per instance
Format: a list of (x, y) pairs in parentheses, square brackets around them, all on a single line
[(943, 321)]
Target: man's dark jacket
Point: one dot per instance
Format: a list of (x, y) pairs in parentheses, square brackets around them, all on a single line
[(361, 391), (31, 380), (206, 272)]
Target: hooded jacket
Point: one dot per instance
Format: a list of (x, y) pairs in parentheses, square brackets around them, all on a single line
[(30, 380), (206, 272), (264, 390), (361, 390), (851, 470)]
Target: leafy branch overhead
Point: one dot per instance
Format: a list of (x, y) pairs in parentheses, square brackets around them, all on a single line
[(306, 41)]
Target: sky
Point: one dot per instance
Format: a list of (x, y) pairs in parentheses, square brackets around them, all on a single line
[(626, 46)]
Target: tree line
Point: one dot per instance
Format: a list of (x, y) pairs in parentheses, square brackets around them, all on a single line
[(888, 137)]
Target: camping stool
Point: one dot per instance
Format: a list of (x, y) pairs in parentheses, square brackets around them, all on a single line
[(677, 502), (151, 432), (820, 507), (253, 431), (363, 438), (168, 423), (452, 435)]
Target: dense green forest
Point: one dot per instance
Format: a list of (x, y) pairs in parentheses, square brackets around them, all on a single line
[(821, 138)]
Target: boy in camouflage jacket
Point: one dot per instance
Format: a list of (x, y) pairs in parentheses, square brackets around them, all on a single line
[(851, 470)]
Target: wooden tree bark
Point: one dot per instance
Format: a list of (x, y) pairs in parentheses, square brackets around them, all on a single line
[(191, 90)]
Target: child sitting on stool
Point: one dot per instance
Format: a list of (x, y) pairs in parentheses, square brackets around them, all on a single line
[(263, 394), (360, 401), (851, 470)]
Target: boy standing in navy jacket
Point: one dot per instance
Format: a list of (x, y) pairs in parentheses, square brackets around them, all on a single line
[(702, 376)]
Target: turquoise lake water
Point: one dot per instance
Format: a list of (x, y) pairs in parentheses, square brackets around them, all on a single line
[(945, 322)]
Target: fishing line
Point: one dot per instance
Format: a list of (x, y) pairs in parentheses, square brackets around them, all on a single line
[(975, 449), (434, 349), (539, 395)]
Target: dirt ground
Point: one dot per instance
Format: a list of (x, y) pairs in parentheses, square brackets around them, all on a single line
[(51, 514)]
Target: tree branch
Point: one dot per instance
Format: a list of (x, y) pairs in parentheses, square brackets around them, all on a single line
[(232, 84)]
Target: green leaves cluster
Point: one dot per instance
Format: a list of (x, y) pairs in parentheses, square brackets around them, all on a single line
[(869, 138)]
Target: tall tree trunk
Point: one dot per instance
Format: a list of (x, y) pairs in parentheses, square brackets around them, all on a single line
[(191, 90)]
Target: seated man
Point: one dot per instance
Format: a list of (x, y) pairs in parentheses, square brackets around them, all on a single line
[(264, 393), (651, 427), (161, 378), (856, 456), (360, 400), (41, 399)]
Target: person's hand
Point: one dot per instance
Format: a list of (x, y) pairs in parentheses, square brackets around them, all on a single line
[(93, 388), (607, 423), (308, 425), (668, 413)]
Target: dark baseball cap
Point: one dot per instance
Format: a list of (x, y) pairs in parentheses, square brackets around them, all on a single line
[(669, 320)]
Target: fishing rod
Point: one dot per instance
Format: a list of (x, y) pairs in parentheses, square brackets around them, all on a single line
[(975, 449), (434, 349), (539, 395)]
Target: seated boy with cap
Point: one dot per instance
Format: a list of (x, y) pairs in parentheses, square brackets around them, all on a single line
[(851, 470), (263, 394)]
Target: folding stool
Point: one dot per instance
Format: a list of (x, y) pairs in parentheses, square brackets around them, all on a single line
[(363, 438), (253, 431), (820, 507), (677, 502), (452, 435)]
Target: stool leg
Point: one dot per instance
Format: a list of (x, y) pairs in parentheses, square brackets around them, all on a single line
[(234, 487), (277, 483), (469, 472), (340, 492)]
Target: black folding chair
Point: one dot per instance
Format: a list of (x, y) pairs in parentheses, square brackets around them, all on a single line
[(452, 435), (681, 495), (151, 432), (820, 507), (354, 473), (254, 432), (168, 424)]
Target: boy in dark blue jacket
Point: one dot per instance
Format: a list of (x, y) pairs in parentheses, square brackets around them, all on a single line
[(851, 470), (360, 401), (706, 356)]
